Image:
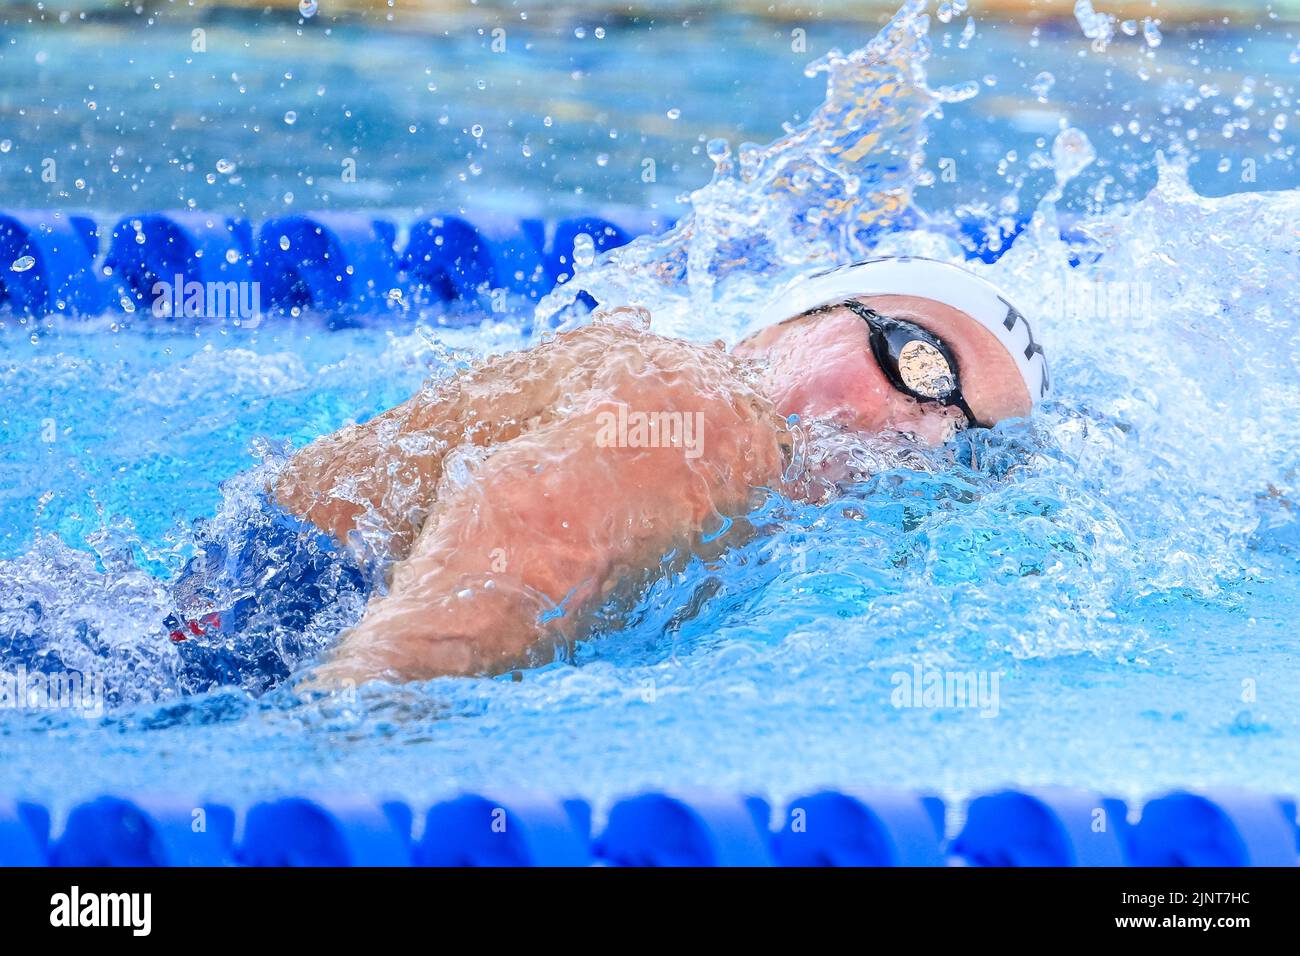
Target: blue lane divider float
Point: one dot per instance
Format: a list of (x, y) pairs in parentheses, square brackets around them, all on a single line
[(656, 829), (329, 831), (1044, 827), (175, 249), (867, 828), (113, 831), (859, 827), (1215, 828), (510, 830), (47, 263), (454, 258), (24, 834), (339, 263)]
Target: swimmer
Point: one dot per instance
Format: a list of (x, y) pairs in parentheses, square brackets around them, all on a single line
[(519, 497)]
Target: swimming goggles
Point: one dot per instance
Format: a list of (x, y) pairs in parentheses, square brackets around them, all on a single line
[(916, 362)]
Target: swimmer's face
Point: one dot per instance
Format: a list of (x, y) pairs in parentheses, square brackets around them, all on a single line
[(820, 365)]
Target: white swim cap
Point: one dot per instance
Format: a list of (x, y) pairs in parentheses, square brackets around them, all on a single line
[(926, 278)]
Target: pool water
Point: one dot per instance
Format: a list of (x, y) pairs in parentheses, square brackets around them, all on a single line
[(1118, 575)]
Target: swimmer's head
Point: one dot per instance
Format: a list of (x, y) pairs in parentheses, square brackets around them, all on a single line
[(905, 345)]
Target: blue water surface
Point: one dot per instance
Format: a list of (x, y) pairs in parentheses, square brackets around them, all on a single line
[(1125, 563)]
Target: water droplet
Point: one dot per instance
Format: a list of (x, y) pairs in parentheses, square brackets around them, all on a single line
[(22, 264), (290, 118), (718, 149), (284, 243), (1151, 33), (308, 8), (1042, 85), (967, 34), (584, 250), (1072, 152)]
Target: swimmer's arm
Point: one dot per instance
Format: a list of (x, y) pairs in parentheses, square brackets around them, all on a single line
[(509, 567), (336, 479)]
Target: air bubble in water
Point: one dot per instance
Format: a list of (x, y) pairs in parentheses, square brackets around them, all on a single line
[(675, 113), (476, 131), (232, 256), (8, 144), (284, 243), (22, 264), (225, 167), (127, 303), (718, 149), (290, 118), (308, 8)]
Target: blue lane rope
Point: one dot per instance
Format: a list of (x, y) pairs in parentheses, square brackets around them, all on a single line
[(338, 263), (872, 827)]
